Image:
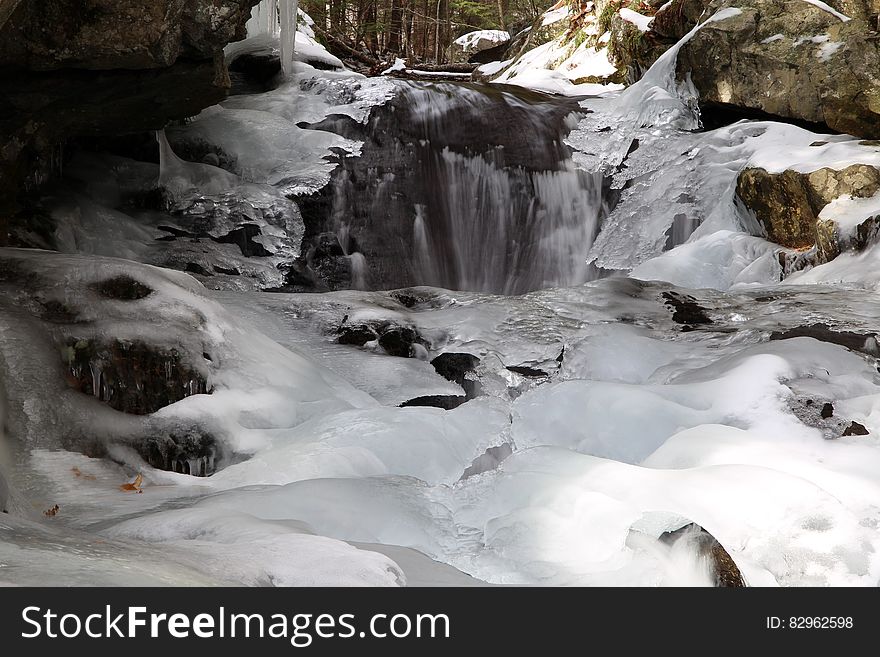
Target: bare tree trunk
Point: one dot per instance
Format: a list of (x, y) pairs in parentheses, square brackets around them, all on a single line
[(395, 27), (502, 9)]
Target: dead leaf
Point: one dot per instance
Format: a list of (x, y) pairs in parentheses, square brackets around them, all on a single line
[(52, 512), (135, 485)]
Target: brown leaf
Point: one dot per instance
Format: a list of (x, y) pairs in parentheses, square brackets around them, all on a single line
[(135, 485)]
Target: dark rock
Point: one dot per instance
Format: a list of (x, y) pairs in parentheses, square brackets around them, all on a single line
[(196, 268), (85, 68), (191, 452), (123, 288), (254, 72), (227, 271), (357, 335), (59, 312), (865, 343), (243, 238), (132, 377), (827, 410), (454, 366), (446, 402), (686, 310), (856, 429), (399, 341), (495, 54), (118, 34), (525, 370), (487, 461), (727, 573)]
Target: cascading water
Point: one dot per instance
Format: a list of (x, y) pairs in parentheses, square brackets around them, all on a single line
[(467, 187), (277, 19)]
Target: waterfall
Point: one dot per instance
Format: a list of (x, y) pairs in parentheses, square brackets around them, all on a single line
[(469, 187), (277, 19), (509, 231)]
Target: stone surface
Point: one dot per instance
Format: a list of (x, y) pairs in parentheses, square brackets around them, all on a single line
[(118, 34), (72, 68), (131, 376), (788, 205), (822, 70)]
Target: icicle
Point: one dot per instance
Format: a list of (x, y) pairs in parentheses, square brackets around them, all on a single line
[(277, 18), (288, 34)]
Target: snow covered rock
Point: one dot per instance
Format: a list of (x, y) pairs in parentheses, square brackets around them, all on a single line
[(789, 204), (795, 59), (468, 45)]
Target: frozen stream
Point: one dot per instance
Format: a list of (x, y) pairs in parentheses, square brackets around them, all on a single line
[(661, 385)]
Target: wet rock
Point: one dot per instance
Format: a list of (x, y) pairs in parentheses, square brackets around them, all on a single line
[(685, 309), (123, 288), (394, 339), (489, 460), (459, 368), (818, 414), (865, 343), (192, 452), (446, 402), (856, 429), (59, 312), (131, 376), (243, 238), (527, 371), (455, 366), (726, 573), (196, 268), (357, 335), (254, 72), (399, 341), (395, 179)]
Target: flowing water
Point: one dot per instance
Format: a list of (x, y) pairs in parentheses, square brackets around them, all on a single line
[(468, 187)]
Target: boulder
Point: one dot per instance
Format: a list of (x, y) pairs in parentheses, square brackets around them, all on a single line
[(468, 45), (791, 59), (788, 206)]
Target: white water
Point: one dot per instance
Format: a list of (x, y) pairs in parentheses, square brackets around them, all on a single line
[(486, 235)]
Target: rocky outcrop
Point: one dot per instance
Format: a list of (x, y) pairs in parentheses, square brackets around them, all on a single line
[(466, 46), (72, 68), (118, 34), (791, 59), (788, 205), (131, 376)]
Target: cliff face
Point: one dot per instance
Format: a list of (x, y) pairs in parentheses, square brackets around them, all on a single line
[(72, 68)]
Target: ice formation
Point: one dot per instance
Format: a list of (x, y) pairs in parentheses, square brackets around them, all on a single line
[(607, 427)]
